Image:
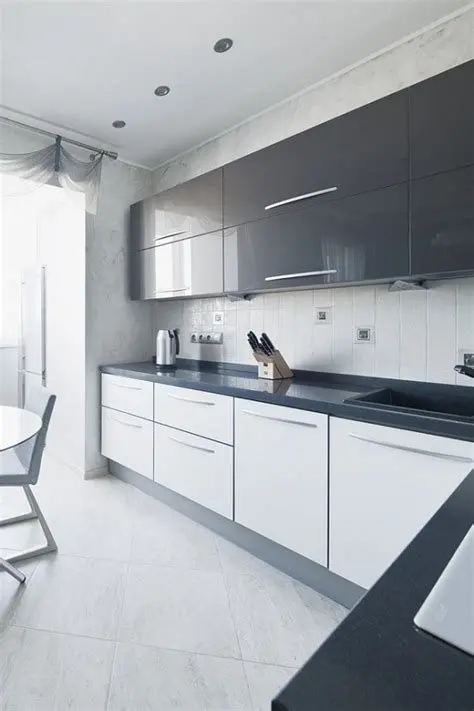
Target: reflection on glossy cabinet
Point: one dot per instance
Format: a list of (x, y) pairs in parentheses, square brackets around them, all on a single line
[(442, 222), (191, 267), (189, 209), (364, 237)]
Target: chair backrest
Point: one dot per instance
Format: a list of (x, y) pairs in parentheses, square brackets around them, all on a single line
[(40, 401)]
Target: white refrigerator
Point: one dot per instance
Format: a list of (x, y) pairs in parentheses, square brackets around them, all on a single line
[(32, 351)]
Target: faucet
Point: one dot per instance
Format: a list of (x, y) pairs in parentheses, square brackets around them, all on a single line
[(465, 370)]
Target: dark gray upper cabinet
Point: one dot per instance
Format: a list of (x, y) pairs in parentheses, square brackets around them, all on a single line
[(187, 210), (442, 121), (442, 223), (359, 151), (364, 237)]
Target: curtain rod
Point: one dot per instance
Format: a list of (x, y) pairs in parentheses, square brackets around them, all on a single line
[(11, 122)]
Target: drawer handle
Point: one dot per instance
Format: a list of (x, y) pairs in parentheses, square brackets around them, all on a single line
[(279, 419), (413, 450), (170, 234), (128, 424), (127, 387), (192, 446), (195, 402), (297, 198), (322, 272)]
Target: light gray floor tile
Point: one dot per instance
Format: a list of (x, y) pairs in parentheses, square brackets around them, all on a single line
[(41, 670), (265, 681), (178, 609), (75, 595), (149, 679), (165, 537), (324, 610), (274, 623)]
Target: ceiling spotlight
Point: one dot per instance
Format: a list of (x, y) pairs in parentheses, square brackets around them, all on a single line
[(223, 45), (162, 90), (119, 124)]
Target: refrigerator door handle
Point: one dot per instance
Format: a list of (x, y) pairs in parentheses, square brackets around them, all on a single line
[(43, 326)]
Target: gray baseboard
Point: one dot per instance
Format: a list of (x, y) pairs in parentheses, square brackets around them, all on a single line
[(298, 567)]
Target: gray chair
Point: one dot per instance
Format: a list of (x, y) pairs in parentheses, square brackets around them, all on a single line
[(21, 466)]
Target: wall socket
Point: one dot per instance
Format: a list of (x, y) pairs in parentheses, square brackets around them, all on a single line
[(323, 315), (218, 318), (211, 338), (469, 359), (364, 334)]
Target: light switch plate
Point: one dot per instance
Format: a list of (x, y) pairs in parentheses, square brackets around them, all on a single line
[(218, 318)]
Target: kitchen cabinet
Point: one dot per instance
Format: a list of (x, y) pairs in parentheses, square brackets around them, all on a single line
[(363, 237), (442, 121), (359, 151), (442, 222), (385, 484), (128, 440), (189, 267), (189, 209), (195, 467), (281, 476)]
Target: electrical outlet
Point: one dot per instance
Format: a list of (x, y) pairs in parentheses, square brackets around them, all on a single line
[(323, 315), (210, 338), (218, 318), (469, 359), (364, 334)]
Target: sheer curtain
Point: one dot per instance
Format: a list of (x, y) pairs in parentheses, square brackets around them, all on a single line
[(55, 163)]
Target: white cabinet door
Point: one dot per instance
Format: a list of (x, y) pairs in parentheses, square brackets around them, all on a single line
[(128, 440), (128, 395), (384, 485), (281, 476), (197, 468)]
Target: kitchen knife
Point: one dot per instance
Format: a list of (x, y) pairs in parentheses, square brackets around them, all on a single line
[(265, 349), (253, 340), (268, 343)]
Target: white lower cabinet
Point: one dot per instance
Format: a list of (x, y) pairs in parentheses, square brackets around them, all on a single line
[(128, 440), (195, 467), (281, 474), (385, 484)]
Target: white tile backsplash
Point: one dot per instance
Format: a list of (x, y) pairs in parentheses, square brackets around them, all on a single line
[(418, 334)]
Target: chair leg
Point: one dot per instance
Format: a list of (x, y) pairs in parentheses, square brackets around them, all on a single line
[(14, 572), (50, 546), (19, 519)]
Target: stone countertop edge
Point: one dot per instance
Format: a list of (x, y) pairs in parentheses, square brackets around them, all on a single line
[(377, 660), (310, 392)]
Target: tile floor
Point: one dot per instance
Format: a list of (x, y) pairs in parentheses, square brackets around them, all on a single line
[(144, 609)]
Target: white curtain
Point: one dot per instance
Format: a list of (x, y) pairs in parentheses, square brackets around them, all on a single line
[(56, 164)]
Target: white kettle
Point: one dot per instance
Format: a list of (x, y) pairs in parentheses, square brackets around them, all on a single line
[(167, 348)]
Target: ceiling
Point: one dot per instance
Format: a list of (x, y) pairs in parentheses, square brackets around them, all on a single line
[(80, 66)]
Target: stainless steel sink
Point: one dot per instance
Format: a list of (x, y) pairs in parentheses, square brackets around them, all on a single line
[(452, 406)]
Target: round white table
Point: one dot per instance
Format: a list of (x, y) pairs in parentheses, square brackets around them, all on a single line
[(17, 426)]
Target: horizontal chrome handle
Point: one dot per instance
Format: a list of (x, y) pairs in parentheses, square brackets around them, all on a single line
[(323, 272), (192, 446), (297, 198), (195, 402), (127, 387), (169, 291), (279, 419), (413, 450), (170, 234), (127, 424)]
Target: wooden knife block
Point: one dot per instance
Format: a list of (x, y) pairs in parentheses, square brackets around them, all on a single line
[(273, 367)]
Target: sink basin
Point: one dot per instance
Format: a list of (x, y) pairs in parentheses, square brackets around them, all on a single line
[(456, 406)]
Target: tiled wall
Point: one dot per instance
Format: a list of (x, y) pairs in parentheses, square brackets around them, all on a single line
[(417, 334)]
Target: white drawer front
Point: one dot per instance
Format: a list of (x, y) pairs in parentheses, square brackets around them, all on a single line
[(195, 467), (128, 395), (201, 413), (128, 440)]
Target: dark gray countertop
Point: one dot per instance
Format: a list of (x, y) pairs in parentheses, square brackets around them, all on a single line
[(317, 392), (377, 660)]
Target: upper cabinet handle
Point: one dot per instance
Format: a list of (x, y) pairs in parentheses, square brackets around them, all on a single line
[(169, 291), (279, 419), (322, 272), (170, 234), (187, 399), (413, 450), (127, 387), (297, 198), (192, 446)]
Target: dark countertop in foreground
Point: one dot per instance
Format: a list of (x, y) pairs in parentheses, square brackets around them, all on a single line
[(317, 392), (376, 660)]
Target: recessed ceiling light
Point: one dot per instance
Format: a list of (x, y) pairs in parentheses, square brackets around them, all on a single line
[(162, 90), (119, 124), (223, 45)]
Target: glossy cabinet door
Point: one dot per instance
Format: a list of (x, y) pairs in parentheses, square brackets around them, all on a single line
[(442, 121), (281, 476), (359, 151), (364, 237), (442, 222), (189, 209), (384, 485), (190, 267)]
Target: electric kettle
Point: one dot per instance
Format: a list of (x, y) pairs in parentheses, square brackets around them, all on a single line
[(167, 348)]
